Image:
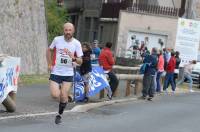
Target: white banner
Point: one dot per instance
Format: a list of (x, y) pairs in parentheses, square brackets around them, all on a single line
[(9, 73), (187, 40)]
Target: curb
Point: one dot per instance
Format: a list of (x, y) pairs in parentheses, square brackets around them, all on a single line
[(83, 108), (78, 108), (86, 107)]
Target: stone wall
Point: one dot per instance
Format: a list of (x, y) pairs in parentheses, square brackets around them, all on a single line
[(23, 33)]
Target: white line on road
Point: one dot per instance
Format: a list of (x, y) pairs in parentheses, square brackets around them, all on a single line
[(31, 115), (78, 108)]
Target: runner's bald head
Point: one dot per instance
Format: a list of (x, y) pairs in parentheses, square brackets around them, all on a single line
[(68, 30), (68, 25)]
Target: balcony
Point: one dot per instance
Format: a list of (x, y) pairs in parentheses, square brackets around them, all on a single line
[(74, 5), (112, 9), (153, 10)]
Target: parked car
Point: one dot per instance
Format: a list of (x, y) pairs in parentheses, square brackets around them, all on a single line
[(196, 74)]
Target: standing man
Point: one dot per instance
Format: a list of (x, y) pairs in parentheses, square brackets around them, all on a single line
[(61, 66), (106, 60), (149, 75), (95, 52), (176, 71)]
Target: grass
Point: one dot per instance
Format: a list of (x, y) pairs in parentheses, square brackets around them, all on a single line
[(33, 79)]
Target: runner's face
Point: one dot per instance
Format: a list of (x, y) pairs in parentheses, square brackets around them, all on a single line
[(68, 32)]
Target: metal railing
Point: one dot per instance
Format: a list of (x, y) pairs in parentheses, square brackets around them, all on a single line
[(153, 9)]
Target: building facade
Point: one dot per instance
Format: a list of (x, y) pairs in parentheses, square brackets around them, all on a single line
[(98, 19)]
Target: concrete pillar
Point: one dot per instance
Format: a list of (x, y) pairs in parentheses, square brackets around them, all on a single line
[(91, 32), (138, 87), (79, 28), (128, 88)]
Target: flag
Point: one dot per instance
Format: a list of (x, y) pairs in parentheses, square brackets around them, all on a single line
[(97, 81)]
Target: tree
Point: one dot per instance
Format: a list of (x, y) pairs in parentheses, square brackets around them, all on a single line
[(56, 17)]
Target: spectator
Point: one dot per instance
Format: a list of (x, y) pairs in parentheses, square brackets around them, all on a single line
[(145, 53), (187, 74), (160, 70), (178, 61), (149, 75), (95, 52), (169, 77), (106, 60), (86, 66), (166, 55)]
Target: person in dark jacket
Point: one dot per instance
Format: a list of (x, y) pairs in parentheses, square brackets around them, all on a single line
[(86, 66), (149, 74), (178, 61)]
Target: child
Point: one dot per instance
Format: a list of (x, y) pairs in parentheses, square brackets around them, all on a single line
[(86, 66)]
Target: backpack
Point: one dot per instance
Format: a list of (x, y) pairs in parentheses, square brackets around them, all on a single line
[(143, 68)]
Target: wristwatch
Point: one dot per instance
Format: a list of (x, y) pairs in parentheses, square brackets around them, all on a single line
[(74, 59)]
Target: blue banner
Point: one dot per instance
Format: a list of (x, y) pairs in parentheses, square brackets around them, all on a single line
[(2, 87), (97, 81), (79, 87)]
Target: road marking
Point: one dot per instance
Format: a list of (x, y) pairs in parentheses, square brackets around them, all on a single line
[(76, 109), (31, 115), (80, 108)]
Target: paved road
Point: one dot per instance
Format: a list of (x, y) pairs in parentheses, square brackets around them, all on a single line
[(177, 113), (36, 99)]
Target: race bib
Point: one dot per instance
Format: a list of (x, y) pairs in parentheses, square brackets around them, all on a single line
[(63, 60)]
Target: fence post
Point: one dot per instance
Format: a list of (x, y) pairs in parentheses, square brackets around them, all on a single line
[(128, 89), (138, 87)]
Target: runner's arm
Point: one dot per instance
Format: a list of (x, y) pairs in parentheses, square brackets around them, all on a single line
[(78, 60), (49, 58)]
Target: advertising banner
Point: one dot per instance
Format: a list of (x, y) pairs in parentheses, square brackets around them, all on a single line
[(9, 73), (187, 40)]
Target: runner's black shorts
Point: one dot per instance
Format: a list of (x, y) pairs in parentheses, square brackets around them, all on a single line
[(60, 79)]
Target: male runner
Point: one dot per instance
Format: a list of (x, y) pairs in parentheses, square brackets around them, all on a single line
[(61, 66)]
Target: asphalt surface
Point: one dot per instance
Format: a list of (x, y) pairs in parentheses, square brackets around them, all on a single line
[(36, 99), (177, 113)]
